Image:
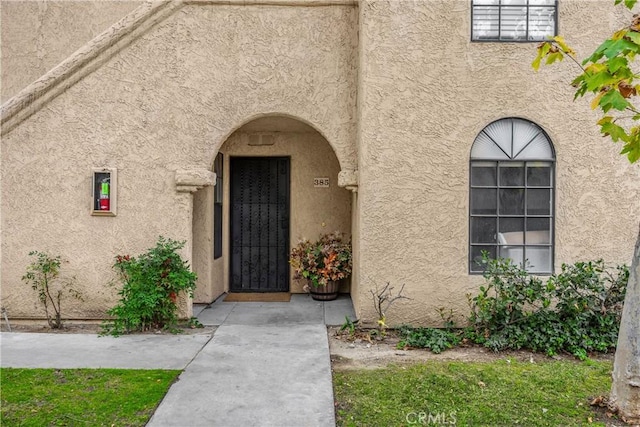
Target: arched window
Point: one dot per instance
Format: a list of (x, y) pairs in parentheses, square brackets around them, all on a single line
[(511, 195)]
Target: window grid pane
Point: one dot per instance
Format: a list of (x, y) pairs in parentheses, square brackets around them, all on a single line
[(520, 20), (526, 235)]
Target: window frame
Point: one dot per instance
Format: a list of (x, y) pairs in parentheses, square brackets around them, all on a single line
[(502, 40), (552, 208)]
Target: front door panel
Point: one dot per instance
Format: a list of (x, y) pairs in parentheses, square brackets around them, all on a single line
[(259, 224)]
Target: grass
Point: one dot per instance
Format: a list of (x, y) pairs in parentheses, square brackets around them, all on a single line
[(501, 393), (81, 397), (464, 393)]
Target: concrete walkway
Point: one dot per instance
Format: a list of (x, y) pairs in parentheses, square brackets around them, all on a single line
[(267, 364)]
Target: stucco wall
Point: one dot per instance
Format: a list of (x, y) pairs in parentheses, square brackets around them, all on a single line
[(207, 288), (170, 99), (38, 35), (165, 102), (425, 92)]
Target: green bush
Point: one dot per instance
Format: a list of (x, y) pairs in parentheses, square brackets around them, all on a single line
[(436, 340), (590, 299), (151, 285), (43, 275), (577, 310)]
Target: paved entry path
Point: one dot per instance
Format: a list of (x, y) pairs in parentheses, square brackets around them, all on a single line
[(267, 364)]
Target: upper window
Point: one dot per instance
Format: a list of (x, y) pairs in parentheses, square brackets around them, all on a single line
[(511, 195), (513, 20)]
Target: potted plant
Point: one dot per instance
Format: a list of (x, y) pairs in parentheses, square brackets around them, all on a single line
[(322, 264)]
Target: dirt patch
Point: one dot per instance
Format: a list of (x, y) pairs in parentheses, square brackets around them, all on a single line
[(358, 351), (362, 352)]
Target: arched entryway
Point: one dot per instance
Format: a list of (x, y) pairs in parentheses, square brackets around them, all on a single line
[(277, 182)]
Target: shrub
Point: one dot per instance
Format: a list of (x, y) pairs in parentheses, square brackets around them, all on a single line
[(436, 340), (151, 285), (577, 310), (508, 297), (590, 299), (43, 275)]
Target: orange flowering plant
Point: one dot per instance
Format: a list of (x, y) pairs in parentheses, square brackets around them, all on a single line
[(327, 259)]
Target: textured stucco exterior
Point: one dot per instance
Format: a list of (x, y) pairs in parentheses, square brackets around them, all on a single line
[(425, 92), (38, 35), (393, 94), (165, 102)]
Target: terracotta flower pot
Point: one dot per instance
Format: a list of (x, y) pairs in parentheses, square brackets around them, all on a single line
[(325, 293)]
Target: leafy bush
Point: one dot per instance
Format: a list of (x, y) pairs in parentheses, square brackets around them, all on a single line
[(577, 310), (43, 275), (590, 298), (436, 340), (151, 284)]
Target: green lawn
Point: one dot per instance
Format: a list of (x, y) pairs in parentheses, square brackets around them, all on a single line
[(462, 393), (497, 393), (81, 397)]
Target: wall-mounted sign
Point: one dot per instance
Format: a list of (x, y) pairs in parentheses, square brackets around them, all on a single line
[(321, 182)]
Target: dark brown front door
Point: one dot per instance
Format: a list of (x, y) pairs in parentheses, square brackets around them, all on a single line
[(259, 224)]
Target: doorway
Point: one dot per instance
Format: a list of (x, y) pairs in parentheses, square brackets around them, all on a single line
[(259, 224)]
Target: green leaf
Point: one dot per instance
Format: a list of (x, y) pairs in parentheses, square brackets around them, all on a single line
[(632, 147), (619, 47), (579, 83), (632, 152), (615, 64), (611, 48), (578, 80), (595, 68), (597, 81), (616, 132), (613, 99), (634, 37), (553, 57), (629, 3), (598, 53)]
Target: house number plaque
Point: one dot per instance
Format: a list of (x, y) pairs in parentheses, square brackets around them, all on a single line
[(321, 182)]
